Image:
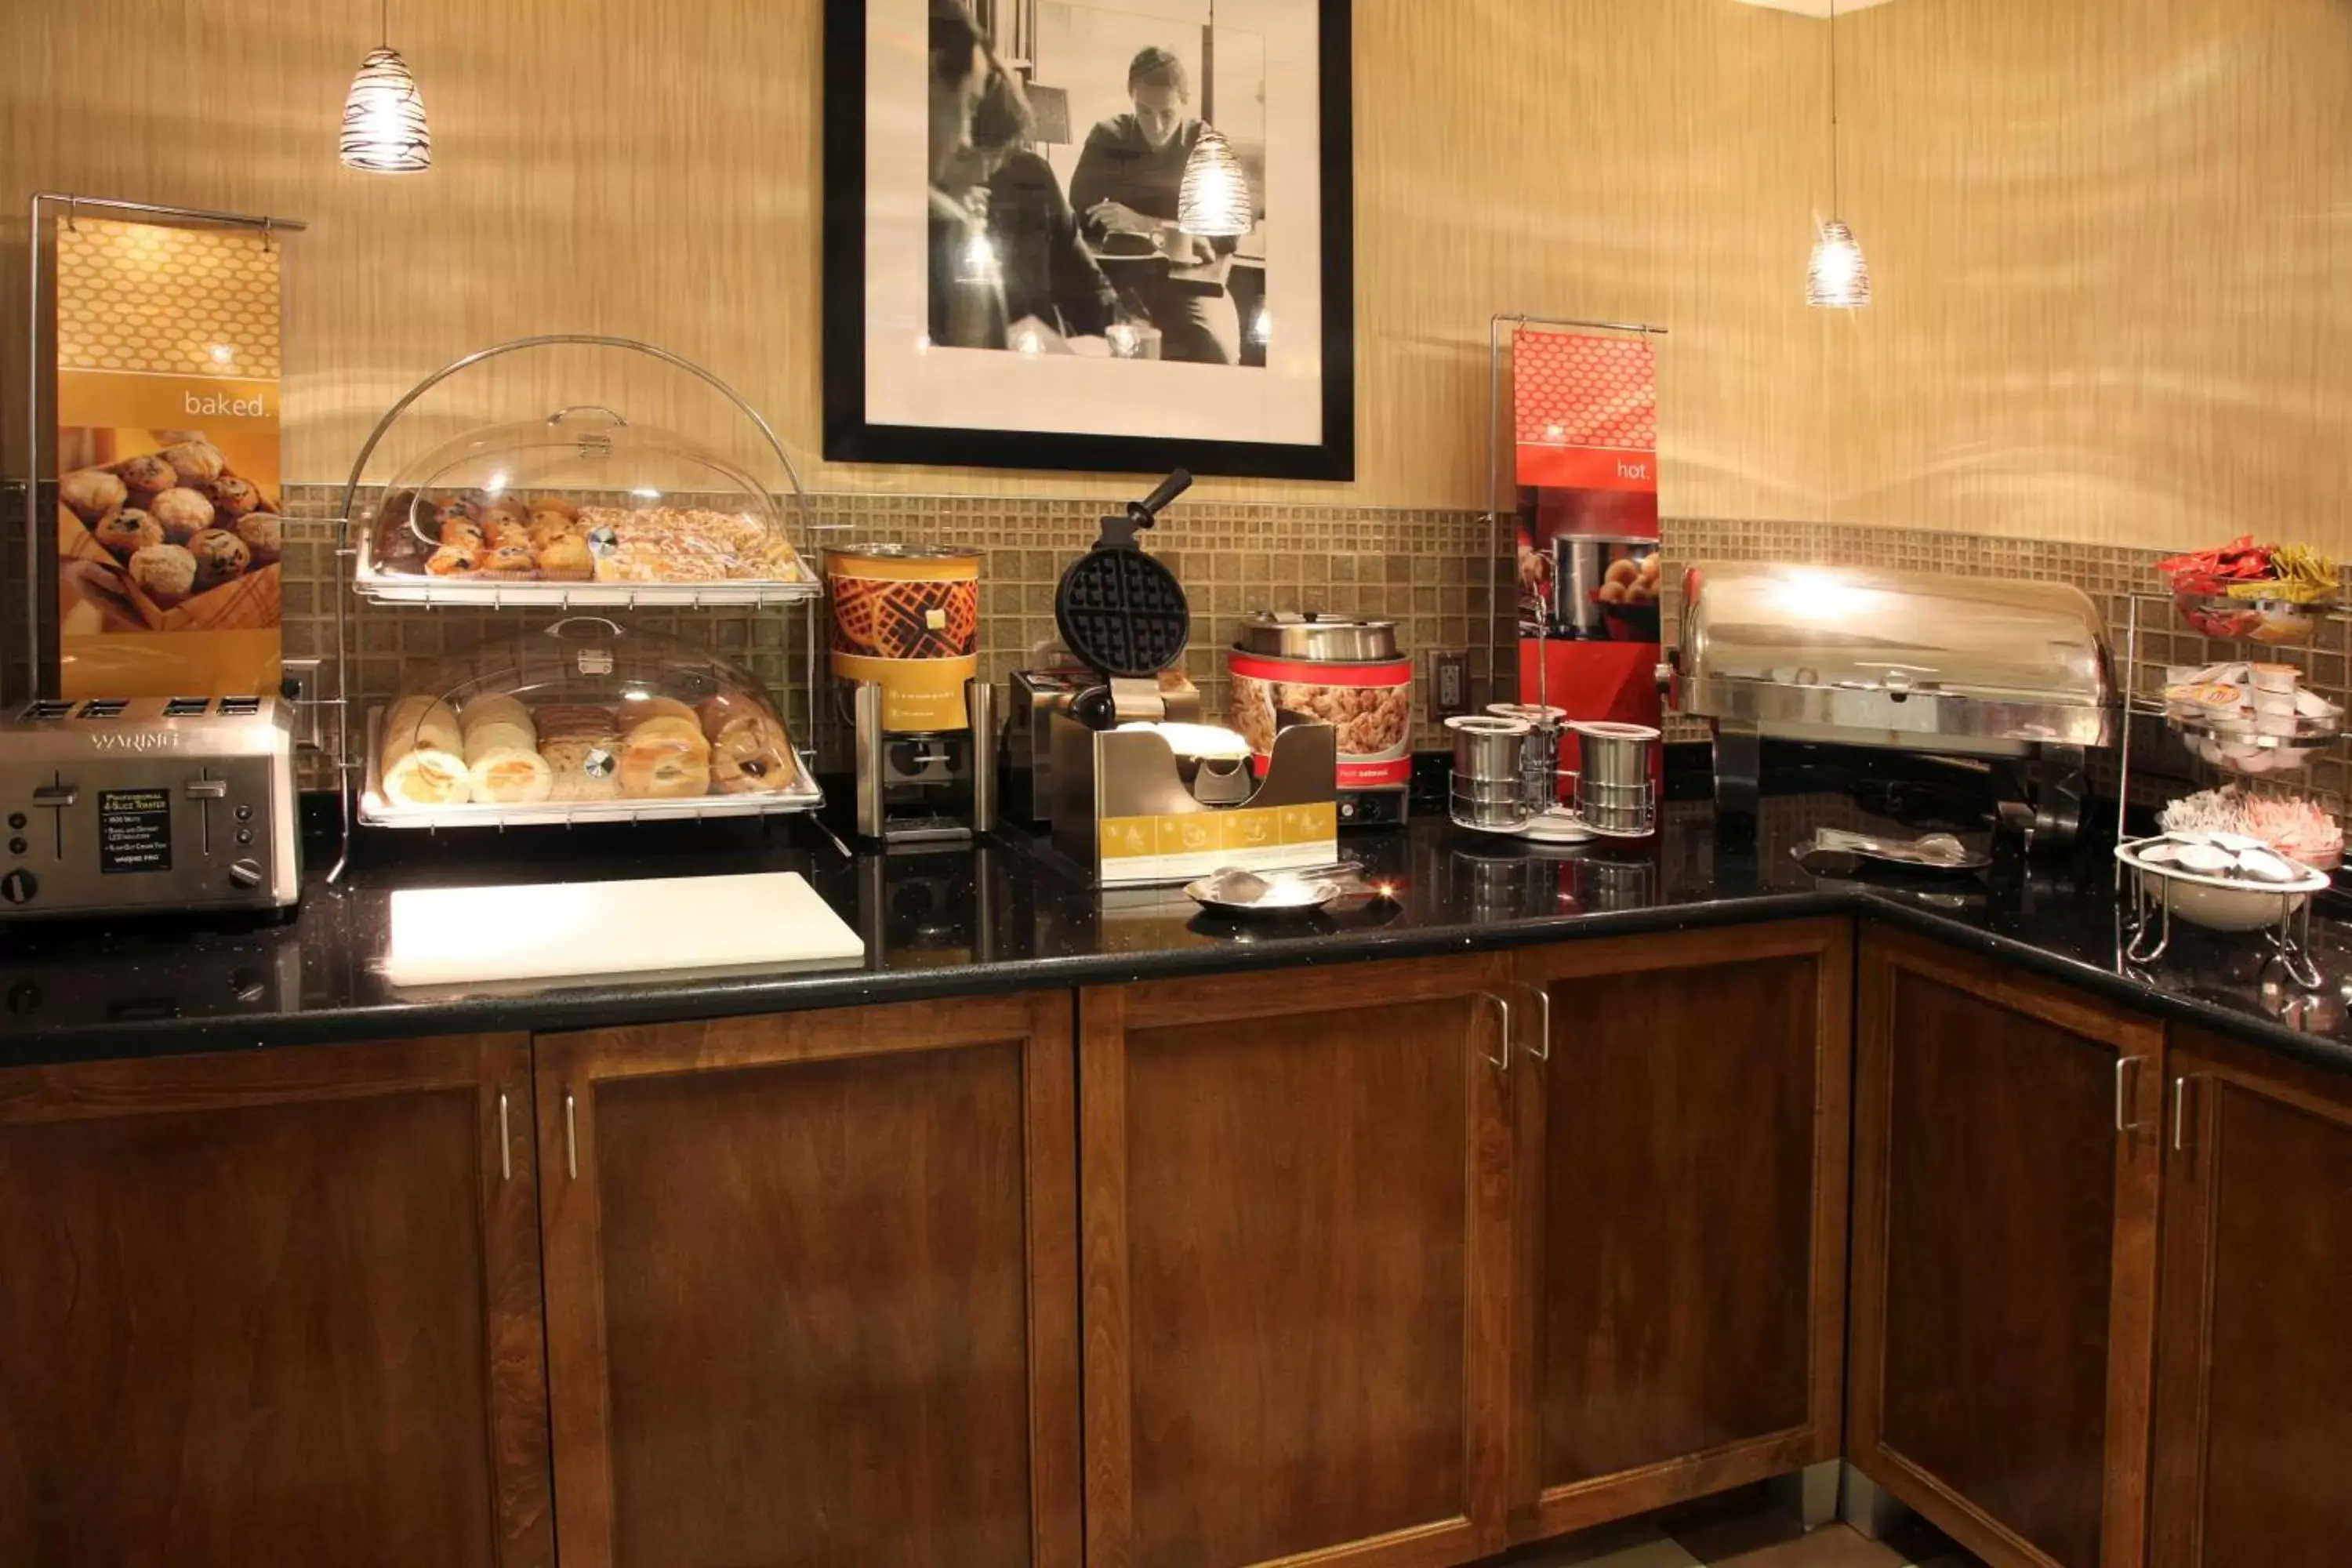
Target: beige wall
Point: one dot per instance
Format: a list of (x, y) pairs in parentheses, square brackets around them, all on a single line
[(650, 169), (2112, 241)]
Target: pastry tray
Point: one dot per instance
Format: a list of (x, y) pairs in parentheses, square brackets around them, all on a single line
[(375, 811), (405, 588)]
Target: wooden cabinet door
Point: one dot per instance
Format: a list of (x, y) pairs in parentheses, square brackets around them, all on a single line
[(2006, 1154), (277, 1307), (2253, 1433), (1682, 1176), (812, 1288), (1295, 1203)]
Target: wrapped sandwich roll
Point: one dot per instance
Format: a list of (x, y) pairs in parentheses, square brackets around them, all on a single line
[(510, 775), (493, 708), (498, 736), (427, 776), (420, 721)]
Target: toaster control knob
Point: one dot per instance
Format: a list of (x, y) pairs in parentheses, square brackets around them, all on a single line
[(20, 885), (245, 873)]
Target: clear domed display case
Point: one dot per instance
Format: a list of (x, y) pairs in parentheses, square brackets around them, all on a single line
[(585, 722), (579, 508)]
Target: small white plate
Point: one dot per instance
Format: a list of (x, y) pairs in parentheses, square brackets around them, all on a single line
[(1287, 896)]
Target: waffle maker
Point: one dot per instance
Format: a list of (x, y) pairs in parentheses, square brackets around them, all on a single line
[(1124, 615), (1125, 805)]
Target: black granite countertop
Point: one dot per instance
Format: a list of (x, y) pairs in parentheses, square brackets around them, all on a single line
[(1004, 915)]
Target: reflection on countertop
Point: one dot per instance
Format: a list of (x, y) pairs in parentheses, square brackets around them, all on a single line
[(1007, 914)]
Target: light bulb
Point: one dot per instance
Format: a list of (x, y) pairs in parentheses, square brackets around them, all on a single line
[(384, 119), (1215, 199), (1838, 275)]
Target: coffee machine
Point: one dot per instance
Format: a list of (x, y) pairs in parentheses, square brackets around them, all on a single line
[(906, 647)]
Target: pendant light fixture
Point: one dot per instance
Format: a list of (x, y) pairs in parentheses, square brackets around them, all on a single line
[(1213, 201), (384, 114), (1838, 275)]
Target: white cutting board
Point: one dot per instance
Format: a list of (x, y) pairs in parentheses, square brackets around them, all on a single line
[(551, 931)]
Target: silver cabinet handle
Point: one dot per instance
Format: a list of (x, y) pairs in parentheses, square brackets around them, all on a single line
[(2125, 1066), (1502, 1005), (506, 1142), (2180, 1114), (1543, 1021), (571, 1136)]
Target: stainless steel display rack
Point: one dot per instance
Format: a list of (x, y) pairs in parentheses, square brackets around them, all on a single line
[(793, 598), (2147, 925)]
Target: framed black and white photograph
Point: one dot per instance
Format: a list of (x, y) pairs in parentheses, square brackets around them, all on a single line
[(1090, 234)]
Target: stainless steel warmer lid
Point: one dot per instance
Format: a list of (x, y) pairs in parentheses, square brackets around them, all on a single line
[(1311, 634), (1920, 660)]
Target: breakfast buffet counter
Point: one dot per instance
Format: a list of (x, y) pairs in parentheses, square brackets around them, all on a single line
[(1005, 916)]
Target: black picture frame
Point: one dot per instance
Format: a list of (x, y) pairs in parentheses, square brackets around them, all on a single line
[(850, 438)]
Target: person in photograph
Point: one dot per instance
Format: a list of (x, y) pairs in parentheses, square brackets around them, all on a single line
[(967, 304), (1049, 274), (1127, 183)]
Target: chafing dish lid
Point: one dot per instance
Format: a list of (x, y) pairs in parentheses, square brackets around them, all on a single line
[(1312, 634), (1851, 628)]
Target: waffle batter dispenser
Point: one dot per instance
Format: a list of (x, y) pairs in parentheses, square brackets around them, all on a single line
[(906, 647)]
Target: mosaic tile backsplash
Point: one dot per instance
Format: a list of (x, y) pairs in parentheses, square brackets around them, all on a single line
[(1430, 571)]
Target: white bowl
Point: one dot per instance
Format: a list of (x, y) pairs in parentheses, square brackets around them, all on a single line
[(2222, 908)]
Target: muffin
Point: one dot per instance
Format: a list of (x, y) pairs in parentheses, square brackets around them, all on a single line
[(567, 560), (457, 508), (506, 532), (92, 493), (514, 561), (195, 462), (555, 504), (263, 535), (148, 477), (230, 496), (220, 555), (547, 527), (465, 533), (454, 559), (127, 533), (165, 573), (183, 513), (505, 512)]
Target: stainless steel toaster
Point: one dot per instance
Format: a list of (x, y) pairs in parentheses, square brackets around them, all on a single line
[(2010, 670), (126, 805)]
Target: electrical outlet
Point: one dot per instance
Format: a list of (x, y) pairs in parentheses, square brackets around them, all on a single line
[(1449, 682), (297, 683)]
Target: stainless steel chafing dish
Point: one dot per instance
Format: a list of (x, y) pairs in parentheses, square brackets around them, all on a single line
[(1970, 666)]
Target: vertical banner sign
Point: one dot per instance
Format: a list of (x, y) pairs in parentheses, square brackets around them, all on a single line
[(167, 406)]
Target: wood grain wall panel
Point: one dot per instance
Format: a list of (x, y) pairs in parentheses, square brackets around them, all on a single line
[(648, 170), (2109, 241)]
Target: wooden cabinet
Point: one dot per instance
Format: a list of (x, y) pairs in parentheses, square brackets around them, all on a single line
[(1295, 1199), (1681, 1157), (279, 1307), (2006, 1161), (2254, 1421), (812, 1287)]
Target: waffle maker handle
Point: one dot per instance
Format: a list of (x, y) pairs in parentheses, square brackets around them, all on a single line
[(1141, 514)]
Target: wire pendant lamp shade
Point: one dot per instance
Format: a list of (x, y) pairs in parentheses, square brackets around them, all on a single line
[(383, 117), (1215, 199), (1838, 275)]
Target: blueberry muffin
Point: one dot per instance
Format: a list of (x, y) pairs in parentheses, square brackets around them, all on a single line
[(164, 573), (92, 493), (195, 462), (148, 477), (263, 534), (231, 497), (127, 533), (183, 514), (514, 561), (220, 555)]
